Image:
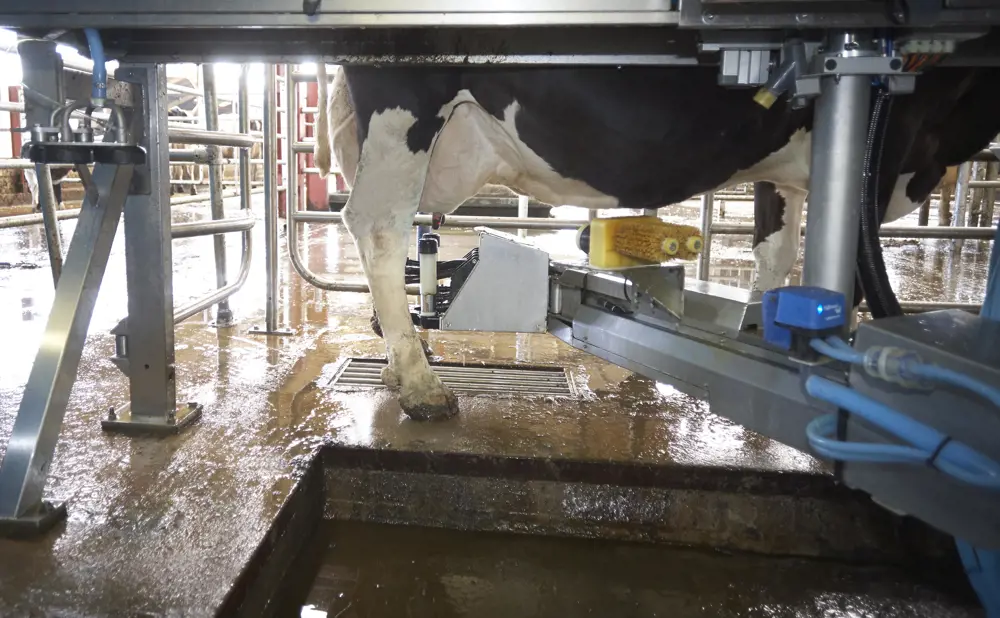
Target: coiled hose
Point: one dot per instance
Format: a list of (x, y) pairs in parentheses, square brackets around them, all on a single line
[(871, 266)]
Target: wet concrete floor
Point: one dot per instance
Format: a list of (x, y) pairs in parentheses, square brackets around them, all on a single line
[(163, 526)]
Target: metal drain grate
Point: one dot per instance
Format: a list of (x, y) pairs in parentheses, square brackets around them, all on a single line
[(468, 380)]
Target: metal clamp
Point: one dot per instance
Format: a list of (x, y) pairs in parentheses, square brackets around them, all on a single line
[(890, 67)]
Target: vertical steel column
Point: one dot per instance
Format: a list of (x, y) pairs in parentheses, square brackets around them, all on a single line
[(838, 141), (149, 333), (961, 202), (243, 101), (270, 148), (223, 315), (522, 213), (705, 259), (990, 195)]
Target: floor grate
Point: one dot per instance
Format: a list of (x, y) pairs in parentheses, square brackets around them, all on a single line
[(468, 379)]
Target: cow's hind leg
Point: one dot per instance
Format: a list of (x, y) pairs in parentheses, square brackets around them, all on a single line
[(777, 221), (379, 215)]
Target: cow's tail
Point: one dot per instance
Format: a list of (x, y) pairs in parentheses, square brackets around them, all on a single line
[(321, 151)]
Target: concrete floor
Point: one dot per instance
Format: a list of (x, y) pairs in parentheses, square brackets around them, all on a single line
[(164, 526)]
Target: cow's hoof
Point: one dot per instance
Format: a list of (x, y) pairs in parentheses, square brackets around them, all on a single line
[(427, 348), (431, 405), (389, 378)]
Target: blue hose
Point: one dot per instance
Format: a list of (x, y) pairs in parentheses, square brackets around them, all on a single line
[(927, 445), (954, 378), (834, 350), (99, 87)]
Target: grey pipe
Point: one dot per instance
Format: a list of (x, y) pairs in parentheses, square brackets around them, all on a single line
[(922, 306), (705, 259), (460, 222), (887, 231), (214, 226), (224, 315), (839, 129), (270, 198), (961, 201), (178, 135)]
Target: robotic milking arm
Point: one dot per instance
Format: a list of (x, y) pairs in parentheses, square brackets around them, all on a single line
[(883, 409)]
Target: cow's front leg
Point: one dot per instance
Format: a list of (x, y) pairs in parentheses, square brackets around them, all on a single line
[(379, 215), (383, 253)]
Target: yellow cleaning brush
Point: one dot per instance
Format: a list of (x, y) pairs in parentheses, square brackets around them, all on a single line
[(633, 241)]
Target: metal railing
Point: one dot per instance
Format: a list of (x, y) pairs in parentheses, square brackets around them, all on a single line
[(15, 221), (219, 224)]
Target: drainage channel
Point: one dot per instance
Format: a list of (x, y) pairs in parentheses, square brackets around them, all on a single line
[(468, 379)]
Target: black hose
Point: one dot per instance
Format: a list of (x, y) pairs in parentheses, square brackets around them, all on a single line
[(871, 264)]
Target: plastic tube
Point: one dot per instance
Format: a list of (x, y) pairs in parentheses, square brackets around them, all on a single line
[(944, 375), (844, 353), (99, 88), (929, 446), (871, 266)]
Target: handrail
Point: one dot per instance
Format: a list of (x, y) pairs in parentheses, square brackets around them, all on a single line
[(294, 216), (212, 227), (886, 231), (179, 135), (220, 294)]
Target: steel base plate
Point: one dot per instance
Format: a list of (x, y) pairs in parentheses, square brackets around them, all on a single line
[(34, 524), (120, 420)]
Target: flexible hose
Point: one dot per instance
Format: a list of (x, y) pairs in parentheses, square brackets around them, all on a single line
[(929, 446), (99, 83), (844, 354), (871, 265), (947, 376)]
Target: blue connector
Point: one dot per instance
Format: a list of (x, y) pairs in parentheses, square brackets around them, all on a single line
[(794, 315)]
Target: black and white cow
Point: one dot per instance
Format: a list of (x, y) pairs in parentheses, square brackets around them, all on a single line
[(58, 175), (428, 138)]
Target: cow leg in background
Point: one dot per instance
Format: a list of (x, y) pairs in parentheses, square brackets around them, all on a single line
[(777, 222), (32, 182), (379, 216)]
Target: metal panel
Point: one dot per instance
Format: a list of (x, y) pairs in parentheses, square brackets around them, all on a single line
[(962, 342), (528, 381), (723, 306), (507, 291), (39, 418), (758, 389), (247, 13)]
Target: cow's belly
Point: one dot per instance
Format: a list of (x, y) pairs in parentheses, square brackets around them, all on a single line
[(474, 149)]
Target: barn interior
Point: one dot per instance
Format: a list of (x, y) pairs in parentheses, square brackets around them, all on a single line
[(638, 443)]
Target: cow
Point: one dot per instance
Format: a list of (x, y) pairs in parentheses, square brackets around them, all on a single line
[(425, 139), (58, 176)]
